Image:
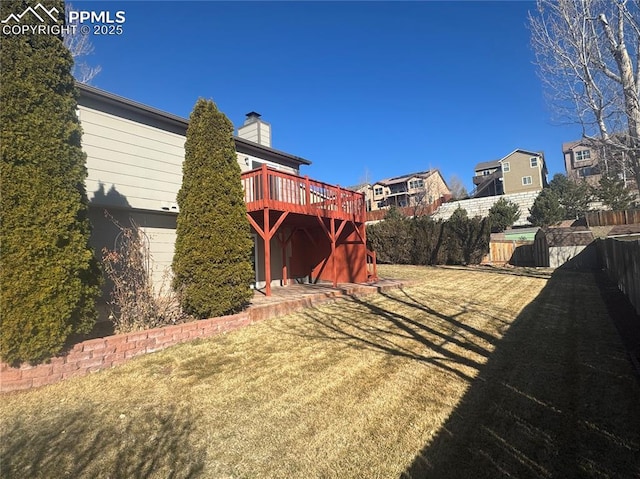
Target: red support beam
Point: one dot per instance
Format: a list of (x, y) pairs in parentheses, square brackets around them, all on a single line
[(324, 227), (340, 228), (266, 233), (362, 235), (267, 253), (334, 265), (256, 226)]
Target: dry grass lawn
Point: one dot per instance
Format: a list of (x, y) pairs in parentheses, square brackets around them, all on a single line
[(469, 373)]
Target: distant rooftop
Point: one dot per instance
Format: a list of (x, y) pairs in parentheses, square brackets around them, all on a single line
[(404, 178), (487, 165)]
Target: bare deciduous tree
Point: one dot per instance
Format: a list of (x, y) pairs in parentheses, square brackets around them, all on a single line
[(457, 188), (587, 52), (80, 46)]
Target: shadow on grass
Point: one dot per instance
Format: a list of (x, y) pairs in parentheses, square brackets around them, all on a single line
[(82, 444), (400, 335), (556, 399), (529, 272)]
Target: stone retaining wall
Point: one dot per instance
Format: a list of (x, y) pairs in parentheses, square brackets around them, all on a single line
[(481, 206)]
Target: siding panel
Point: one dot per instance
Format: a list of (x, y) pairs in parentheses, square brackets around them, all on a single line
[(130, 164)]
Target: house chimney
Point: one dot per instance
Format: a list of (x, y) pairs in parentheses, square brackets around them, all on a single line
[(256, 130)]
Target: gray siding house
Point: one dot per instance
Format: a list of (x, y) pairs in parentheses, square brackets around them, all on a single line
[(134, 171)]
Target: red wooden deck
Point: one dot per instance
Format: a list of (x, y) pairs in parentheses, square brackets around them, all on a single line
[(287, 195), (280, 191)]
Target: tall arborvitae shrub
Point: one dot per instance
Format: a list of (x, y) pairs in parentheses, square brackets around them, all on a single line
[(391, 238), (49, 278), (429, 245), (212, 265)]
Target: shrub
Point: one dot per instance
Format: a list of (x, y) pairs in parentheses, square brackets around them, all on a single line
[(212, 264), (50, 278), (614, 193), (546, 209), (134, 303), (428, 245), (503, 214), (391, 239), (459, 240), (574, 197)]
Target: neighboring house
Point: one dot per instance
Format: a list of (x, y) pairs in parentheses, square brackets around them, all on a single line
[(569, 247), (422, 188), (367, 191), (303, 230), (520, 171), (487, 179), (581, 162)]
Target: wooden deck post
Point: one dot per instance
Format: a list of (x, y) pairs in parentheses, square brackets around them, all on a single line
[(267, 252), (283, 247), (334, 265)]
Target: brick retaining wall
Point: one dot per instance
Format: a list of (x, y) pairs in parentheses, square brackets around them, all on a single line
[(103, 353), (96, 354)]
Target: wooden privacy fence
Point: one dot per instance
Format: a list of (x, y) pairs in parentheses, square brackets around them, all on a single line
[(621, 261), (409, 211), (612, 218), (517, 253)]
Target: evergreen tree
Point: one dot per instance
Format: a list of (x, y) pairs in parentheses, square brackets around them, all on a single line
[(614, 194), (503, 214), (457, 231), (574, 197), (50, 278), (212, 266), (391, 238), (546, 209)]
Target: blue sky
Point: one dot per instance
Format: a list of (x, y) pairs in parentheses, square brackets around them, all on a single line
[(358, 88)]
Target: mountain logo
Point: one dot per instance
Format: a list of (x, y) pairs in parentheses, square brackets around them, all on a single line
[(43, 13)]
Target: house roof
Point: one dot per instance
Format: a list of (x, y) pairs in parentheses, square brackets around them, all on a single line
[(570, 145), (358, 187), (404, 178), (625, 230), (487, 165), (180, 124), (567, 236)]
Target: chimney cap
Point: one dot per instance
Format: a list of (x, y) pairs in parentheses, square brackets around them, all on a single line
[(253, 114)]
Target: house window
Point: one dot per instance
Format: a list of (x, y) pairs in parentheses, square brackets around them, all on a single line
[(588, 171), (583, 155), (534, 162), (527, 180), (506, 167), (486, 172), (377, 191), (416, 184)]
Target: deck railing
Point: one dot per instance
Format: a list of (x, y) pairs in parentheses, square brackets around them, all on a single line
[(268, 188)]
